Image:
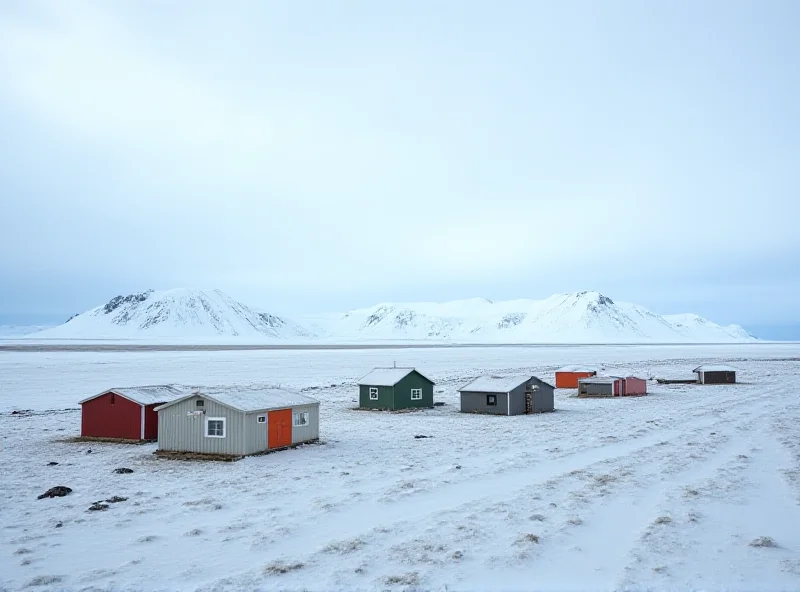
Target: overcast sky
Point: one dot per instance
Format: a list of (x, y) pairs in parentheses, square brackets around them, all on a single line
[(313, 156)]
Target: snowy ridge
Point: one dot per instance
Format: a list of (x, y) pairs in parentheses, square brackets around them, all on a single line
[(180, 313), (583, 317), (19, 330)]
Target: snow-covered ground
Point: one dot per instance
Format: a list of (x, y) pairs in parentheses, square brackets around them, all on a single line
[(668, 491)]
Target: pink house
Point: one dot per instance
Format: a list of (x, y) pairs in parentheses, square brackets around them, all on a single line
[(612, 386)]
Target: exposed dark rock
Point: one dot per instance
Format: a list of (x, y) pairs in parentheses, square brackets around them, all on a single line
[(419, 436), (57, 491), (52, 463), (123, 471), (98, 507), (118, 301), (763, 541), (116, 499)]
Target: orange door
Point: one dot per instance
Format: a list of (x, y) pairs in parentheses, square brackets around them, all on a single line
[(279, 430)]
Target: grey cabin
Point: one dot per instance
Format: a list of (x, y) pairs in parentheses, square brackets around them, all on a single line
[(507, 395), (715, 374), (237, 422), (395, 388), (597, 386)]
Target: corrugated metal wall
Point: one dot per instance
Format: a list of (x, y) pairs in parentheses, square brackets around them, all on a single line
[(151, 422), (255, 434), (543, 399), (311, 431), (178, 431), (635, 386), (718, 377), (475, 402), (570, 379), (518, 400), (111, 416), (597, 390)]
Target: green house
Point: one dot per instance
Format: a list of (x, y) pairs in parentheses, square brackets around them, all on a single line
[(395, 388)]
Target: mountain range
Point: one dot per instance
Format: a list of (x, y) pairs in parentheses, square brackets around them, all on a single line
[(582, 317), (175, 314)]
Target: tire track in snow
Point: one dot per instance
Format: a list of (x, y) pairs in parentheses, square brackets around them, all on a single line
[(511, 457), (595, 554), (410, 513), (348, 524), (748, 498)]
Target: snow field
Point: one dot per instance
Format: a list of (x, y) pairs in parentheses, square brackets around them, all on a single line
[(666, 491)]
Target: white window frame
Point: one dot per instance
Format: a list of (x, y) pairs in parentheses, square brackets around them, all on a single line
[(373, 393), (489, 398), (261, 419), (297, 415), (224, 427), (416, 394)]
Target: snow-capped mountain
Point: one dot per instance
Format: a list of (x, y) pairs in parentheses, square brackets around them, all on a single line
[(178, 314), (583, 317)]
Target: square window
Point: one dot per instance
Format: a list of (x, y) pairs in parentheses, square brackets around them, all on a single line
[(491, 399), (215, 427), (200, 403), (301, 418), (373, 393), (416, 394), (262, 419)]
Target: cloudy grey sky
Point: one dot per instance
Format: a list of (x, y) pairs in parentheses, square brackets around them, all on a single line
[(311, 156)]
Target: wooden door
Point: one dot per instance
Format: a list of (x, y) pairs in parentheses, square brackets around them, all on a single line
[(279, 428)]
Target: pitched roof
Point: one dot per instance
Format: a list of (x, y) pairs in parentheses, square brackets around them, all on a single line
[(600, 379), (497, 384), (608, 379), (145, 395), (388, 376), (714, 368), (248, 400)]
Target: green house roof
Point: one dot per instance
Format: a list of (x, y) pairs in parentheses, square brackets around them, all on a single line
[(388, 376)]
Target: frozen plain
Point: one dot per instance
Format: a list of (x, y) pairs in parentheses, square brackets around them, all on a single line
[(662, 492)]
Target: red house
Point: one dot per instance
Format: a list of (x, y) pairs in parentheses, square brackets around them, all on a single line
[(126, 413), (612, 386)]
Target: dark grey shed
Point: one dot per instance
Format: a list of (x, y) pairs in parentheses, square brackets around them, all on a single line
[(597, 386), (715, 374), (507, 395)]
